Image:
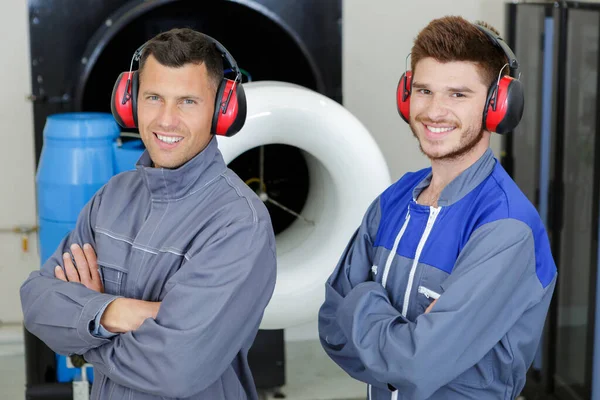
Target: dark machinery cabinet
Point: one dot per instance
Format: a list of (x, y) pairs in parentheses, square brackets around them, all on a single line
[(554, 156), (79, 48)]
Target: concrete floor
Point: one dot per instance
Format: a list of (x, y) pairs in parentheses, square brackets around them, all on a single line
[(311, 375)]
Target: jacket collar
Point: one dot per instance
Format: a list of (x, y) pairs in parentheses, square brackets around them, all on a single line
[(464, 183), (173, 184)]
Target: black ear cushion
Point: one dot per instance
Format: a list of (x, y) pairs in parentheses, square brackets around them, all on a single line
[(135, 81), (113, 108), (516, 106), (218, 100), (240, 118), (491, 92), (403, 93)]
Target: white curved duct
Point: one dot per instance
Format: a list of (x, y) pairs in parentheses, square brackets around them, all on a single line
[(346, 172)]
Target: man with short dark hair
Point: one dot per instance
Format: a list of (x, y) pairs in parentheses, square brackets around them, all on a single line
[(163, 283), (443, 290)]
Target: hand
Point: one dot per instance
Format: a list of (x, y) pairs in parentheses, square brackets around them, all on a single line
[(124, 315), (430, 306), (86, 269)]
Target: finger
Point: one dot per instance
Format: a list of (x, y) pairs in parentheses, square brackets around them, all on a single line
[(59, 273), (70, 269), (430, 306), (92, 262), (81, 263)]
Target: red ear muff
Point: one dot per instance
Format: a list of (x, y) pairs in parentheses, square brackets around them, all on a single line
[(403, 92), (230, 102), (506, 98), (504, 106), (124, 99), (230, 108)]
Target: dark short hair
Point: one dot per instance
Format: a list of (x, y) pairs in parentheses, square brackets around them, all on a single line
[(181, 46), (453, 38)]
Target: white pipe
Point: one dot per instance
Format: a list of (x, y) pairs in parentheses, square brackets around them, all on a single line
[(347, 171)]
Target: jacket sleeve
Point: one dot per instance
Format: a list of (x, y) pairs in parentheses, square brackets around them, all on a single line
[(494, 282), (97, 328), (212, 309), (353, 268), (60, 313)]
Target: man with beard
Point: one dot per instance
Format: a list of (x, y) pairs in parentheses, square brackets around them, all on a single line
[(174, 262), (443, 290)]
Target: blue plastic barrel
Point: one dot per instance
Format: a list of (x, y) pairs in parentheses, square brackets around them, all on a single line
[(127, 154), (78, 157)]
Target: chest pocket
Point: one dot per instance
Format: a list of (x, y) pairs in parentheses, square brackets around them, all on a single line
[(113, 277), (113, 255), (429, 287)]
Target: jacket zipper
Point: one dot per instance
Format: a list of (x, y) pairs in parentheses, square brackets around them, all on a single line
[(433, 213), (388, 263), (390, 258), (428, 292)]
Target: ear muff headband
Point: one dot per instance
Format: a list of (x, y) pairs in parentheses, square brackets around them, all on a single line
[(230, 106), (506, 100)]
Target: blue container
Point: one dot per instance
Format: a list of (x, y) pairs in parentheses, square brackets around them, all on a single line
[(127, 155), (78, 157), (76, 160)]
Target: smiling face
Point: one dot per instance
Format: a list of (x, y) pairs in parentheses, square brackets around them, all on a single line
[(446, 108), (175, 110)]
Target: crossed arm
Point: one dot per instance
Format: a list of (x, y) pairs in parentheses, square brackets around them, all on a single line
[(211, 310), (122, 314), (177, 348), (495, 281)]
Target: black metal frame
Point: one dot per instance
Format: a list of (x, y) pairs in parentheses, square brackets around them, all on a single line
[(557, 225), (542, 386), (595, 224), (556, 185), (538, 385), (507, 157), (67, 36)]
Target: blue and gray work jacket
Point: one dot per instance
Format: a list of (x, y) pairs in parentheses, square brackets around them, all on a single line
[(483, 253)]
